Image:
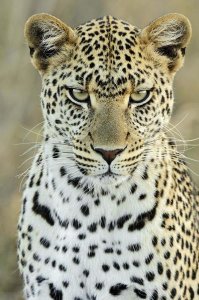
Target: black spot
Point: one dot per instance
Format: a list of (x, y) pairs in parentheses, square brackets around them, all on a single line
[(62, 268), (173, 293), (154, 296), (62, 171), (31, 181), (133, 188), (150, 276), (116, 265), (127, 57), (142, 196), (137, 280), (65, 284), (74, 181), (57, 121), (31, 269), (99, 285), (46, 261), (116, 290), (92, 227), (62, 223), (140, 293), (54, 82), (105, 268), (165, 286), (167, 255), (92, 65), (86, 273), (76, 224), (125, 266), (104, 192), (168, 273), (23, 262), (142, 218), (91, 254), (97, 202), (42, 210), (81, 236), (54, 293), (136, 263), (44, 242), (103, 221), (64, 249), (36, 257), (191, 291), (154, 240), (93, 247), (119, 252), (53, 184), (160, 268), (76, 260), (39, 279), (49, 93), (145, 174), (90, 57), (85, 210), (122, 220), (108, 250), (134, 247), (111, 226), (149, 258), (30, 228), (75, 249)]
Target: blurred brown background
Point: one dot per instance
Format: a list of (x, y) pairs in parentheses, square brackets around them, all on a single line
[(20, 108)]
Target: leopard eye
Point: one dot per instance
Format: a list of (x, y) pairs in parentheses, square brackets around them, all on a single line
[(140, 97), (77, 95)]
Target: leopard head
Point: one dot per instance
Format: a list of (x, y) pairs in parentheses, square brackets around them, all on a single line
[(106, 87)]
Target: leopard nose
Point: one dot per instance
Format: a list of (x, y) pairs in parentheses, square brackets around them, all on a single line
[(108, 155)]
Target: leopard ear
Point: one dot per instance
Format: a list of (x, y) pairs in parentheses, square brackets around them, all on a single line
[(169, 36), (50, 40)]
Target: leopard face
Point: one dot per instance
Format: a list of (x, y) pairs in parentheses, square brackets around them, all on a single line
[(107, 89)]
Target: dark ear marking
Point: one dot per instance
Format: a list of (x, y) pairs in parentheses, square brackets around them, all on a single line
[(183, 51), (47, 53), (32, 50), (169, 51), (169, 35)]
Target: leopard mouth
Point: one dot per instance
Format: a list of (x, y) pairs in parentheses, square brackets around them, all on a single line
[(109, 174)]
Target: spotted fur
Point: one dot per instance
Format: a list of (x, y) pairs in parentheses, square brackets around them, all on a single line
[(109, 210)]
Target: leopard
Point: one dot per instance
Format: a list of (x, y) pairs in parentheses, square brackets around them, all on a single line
[(109, 209)]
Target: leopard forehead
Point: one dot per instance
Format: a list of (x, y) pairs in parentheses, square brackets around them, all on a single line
[(110, 52), (110, 39)]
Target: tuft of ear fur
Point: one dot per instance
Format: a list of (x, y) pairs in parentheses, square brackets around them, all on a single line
[(50, 40), (169, 35)]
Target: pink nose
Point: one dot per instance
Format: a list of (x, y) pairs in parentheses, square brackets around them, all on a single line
[(108, 155)]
